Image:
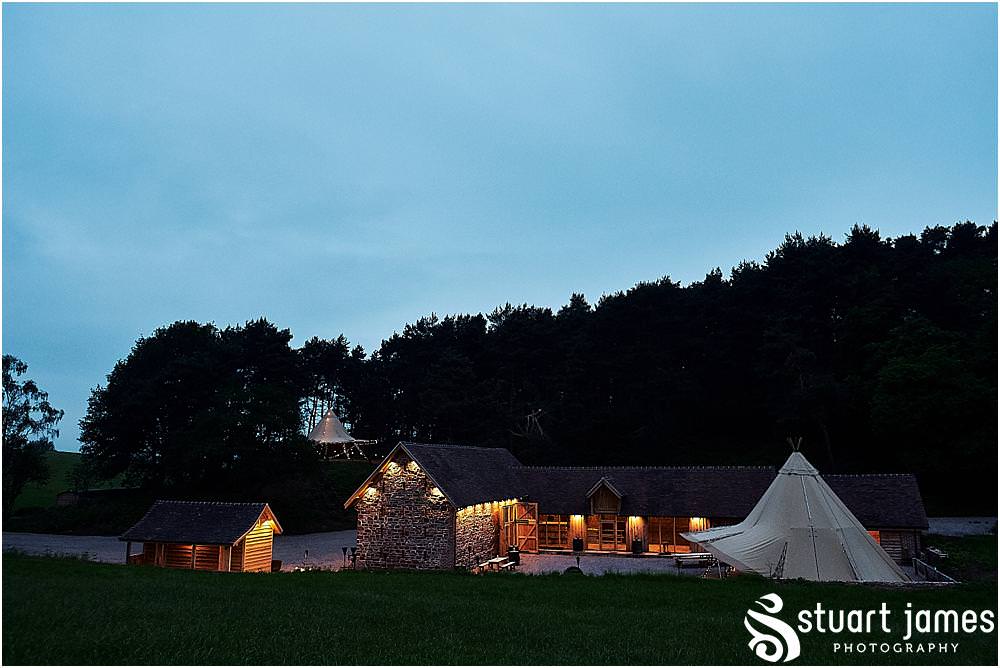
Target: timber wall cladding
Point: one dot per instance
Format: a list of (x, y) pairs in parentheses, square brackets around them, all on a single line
[(236, 557), (257, 553), (901, 545), (477, 535), (206, 557), (404, 521)]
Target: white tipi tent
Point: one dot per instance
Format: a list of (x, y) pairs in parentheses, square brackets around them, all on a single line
[(800, 529), (336, 441), (330, 430)]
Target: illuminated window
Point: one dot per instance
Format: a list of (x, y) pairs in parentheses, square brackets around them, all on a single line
[(698, 524), (606, 532), (553, 531)]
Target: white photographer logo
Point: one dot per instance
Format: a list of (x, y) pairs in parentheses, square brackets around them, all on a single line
[(773, 648)]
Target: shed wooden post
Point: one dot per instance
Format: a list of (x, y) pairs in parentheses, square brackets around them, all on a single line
[(194, 551), (128, 551)]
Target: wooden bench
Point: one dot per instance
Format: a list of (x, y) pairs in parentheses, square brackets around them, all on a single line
[(496, 564), (937, 553), (694, 559)]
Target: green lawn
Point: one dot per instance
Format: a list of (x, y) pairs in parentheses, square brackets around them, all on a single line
[(43, 496), (969, 557), (65, 611)]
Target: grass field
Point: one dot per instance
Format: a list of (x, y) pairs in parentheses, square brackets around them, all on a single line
[(970, 558), (65, 611), (35, 510), (43, 496)]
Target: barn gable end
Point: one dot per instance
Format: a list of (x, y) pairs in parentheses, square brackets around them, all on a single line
[(404, 520)]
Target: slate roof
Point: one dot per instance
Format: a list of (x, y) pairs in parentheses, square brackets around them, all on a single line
[(468, 475), (197, 522), (703, 491), (881, 500)]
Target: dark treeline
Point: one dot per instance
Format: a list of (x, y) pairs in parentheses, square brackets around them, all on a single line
[(880, 353)]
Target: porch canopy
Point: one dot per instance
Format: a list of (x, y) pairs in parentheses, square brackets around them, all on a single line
[(801, 529)]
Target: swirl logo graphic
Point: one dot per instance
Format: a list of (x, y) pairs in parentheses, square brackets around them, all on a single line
[(781, 645)]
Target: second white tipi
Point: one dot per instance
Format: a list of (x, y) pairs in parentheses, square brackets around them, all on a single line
[(334, 440), (801, 529), (331, 430)]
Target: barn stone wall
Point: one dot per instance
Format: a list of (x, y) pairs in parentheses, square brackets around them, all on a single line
[(477, 535), (404, 521)]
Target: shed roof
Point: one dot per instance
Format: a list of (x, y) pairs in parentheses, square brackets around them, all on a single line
[(199, 522)]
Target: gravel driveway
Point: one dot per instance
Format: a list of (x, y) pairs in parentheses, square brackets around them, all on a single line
[(962, 526), (601, 564), (311, 549)]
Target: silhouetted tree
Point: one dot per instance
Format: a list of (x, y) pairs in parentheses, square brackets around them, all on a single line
[(195, 409), (29, 425), (880, 352)]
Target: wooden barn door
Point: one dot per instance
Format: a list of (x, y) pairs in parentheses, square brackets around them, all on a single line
[(520, 527)]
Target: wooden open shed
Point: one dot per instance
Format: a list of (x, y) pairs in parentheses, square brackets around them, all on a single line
[(204, 536)]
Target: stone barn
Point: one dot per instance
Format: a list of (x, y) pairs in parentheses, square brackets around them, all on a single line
[(434, 506), (450, 506)]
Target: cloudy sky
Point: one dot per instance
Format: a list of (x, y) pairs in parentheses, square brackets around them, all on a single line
[(352, 168)]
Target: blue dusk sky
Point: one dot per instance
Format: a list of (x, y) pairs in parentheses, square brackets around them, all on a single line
[(353, 168)]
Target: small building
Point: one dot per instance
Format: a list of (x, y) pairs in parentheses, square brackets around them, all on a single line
[(446, 506), (204, 536), (67, 498)]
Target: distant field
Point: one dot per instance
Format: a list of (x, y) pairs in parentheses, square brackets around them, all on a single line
[(35, 509), (66, 612), (43, 496), (346, 475)]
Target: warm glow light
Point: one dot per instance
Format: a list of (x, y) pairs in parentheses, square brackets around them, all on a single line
[(392, 468), (436, 492), (370, 492), (577, 517), (413, 467), (697, 524)]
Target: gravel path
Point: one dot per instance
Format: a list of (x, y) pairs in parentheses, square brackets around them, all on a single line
[(319, 550), (962, 526), (325, 550), (95, 548), (601, 565)]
